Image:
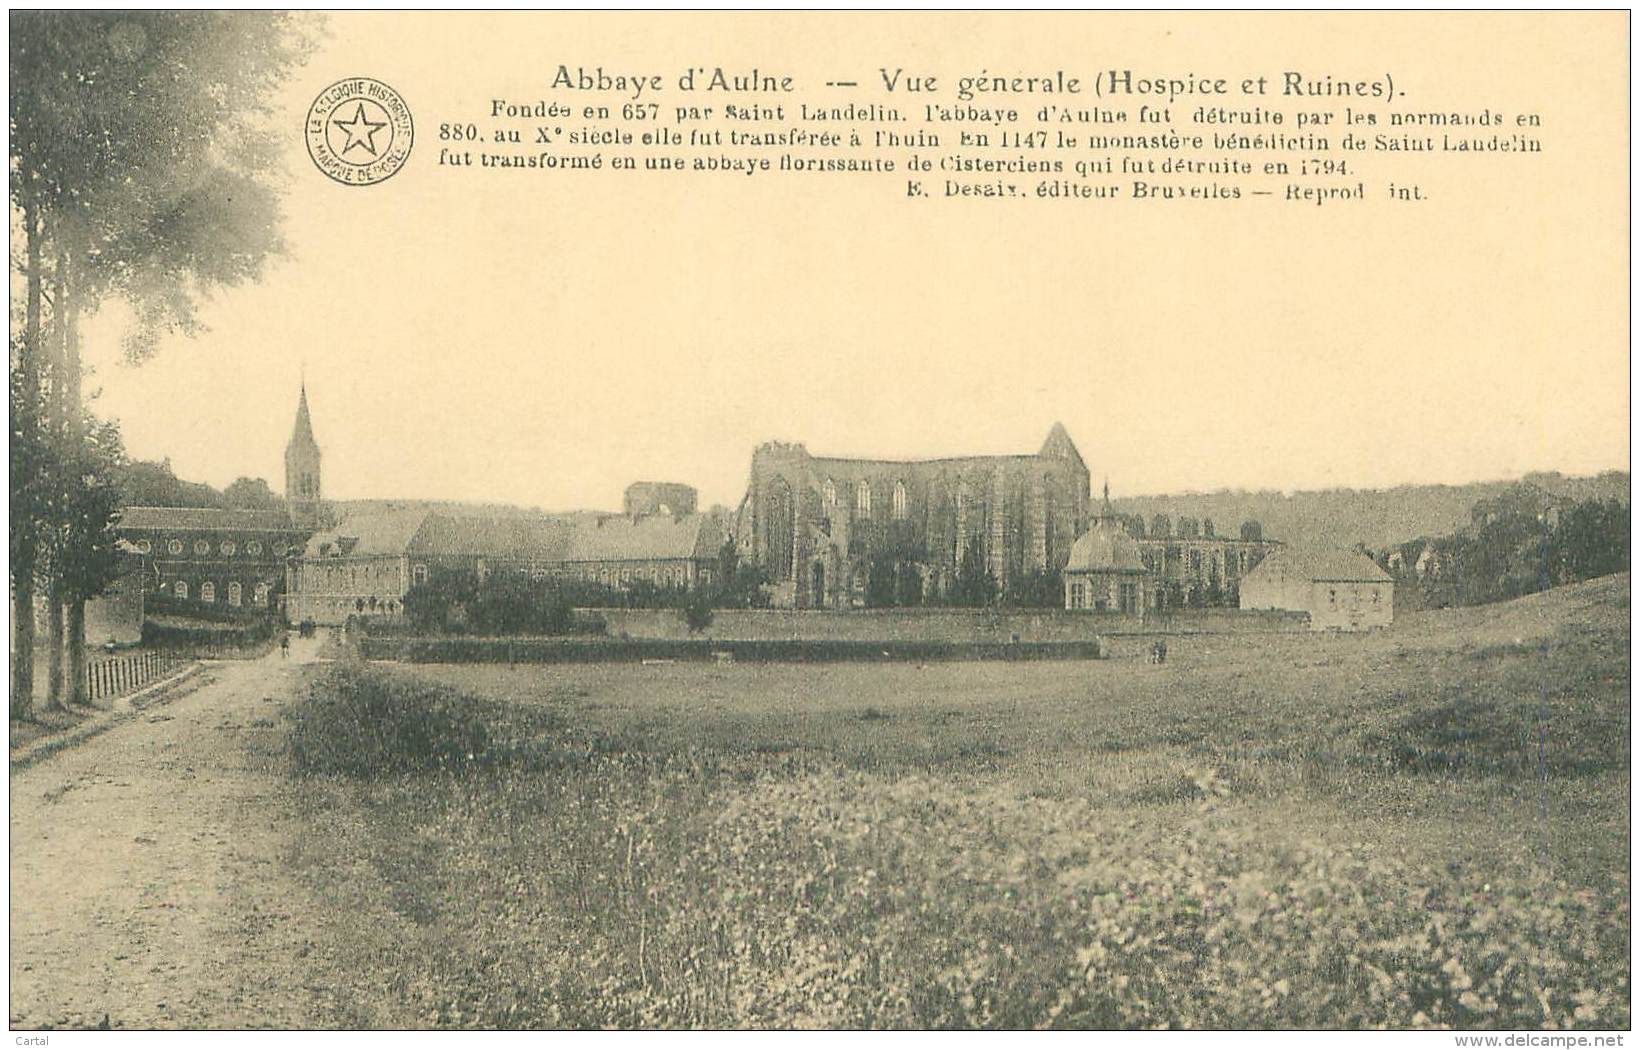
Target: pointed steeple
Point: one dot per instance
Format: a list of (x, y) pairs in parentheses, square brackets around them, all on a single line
[(302, 434), (303, 492)]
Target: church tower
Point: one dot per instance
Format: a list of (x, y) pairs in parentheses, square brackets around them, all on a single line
[(302, 492)]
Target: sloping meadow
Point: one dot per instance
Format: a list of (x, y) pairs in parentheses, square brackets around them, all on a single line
[(550, 878)]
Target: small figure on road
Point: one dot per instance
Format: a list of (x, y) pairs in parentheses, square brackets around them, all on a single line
[(284, 644), (1158, 651)]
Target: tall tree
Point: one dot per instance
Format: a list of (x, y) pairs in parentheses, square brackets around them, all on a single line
[(138, 173), (250, 494)]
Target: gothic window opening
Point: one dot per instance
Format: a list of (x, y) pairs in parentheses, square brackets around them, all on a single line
[(899, 501), (862, 499), (782, 522)]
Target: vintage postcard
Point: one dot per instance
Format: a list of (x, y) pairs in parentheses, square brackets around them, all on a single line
[(802, 520)]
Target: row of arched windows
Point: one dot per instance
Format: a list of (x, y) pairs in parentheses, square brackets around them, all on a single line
[(862, 498), (202, 548), (235, 592), (1194, 562)]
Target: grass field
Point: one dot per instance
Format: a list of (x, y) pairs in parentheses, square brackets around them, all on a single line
[(1419, 827)]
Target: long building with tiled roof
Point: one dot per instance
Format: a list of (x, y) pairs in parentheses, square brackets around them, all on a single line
[(366, 564), (207, 556), (196, 558)]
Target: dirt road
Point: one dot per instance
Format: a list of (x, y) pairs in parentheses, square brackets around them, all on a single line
[(147, 874)]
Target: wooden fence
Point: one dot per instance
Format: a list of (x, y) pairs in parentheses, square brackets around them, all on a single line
[(118, 675)]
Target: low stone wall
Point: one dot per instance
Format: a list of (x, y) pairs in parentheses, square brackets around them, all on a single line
[(937, 625), (633, 650)]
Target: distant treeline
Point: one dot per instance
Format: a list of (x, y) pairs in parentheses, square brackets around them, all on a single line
[(145, 483), (1519, 542), (1376, 518)]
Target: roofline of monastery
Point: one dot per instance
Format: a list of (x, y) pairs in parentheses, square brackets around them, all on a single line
[(1022, 456)]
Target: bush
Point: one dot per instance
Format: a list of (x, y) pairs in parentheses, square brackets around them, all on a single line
[(361, 723), (162, 604), (698, 613), (1037, 590), (747, 588), (501, 603), (164, 633)]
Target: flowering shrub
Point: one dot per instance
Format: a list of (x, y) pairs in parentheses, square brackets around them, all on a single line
[(716, 888)]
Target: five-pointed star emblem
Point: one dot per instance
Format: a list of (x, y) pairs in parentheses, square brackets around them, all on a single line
[(360, 131)]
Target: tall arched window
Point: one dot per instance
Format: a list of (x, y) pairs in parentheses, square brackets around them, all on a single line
[(781, 523), (829, 494), (899, 501), (862, 499), (207, 591), (235, 594), (1050, 521)]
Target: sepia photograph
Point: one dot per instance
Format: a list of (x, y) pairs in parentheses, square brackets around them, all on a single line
[(820, 521)]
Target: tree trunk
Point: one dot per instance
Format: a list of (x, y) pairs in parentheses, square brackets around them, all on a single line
[(77, 692), (74, 430), (22, 646), (57, 434), (57, 647), (26, 549)]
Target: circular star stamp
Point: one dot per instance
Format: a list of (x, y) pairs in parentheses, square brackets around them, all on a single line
[(359, 131)]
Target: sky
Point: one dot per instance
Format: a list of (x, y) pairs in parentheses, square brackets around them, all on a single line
[(545, 339)]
